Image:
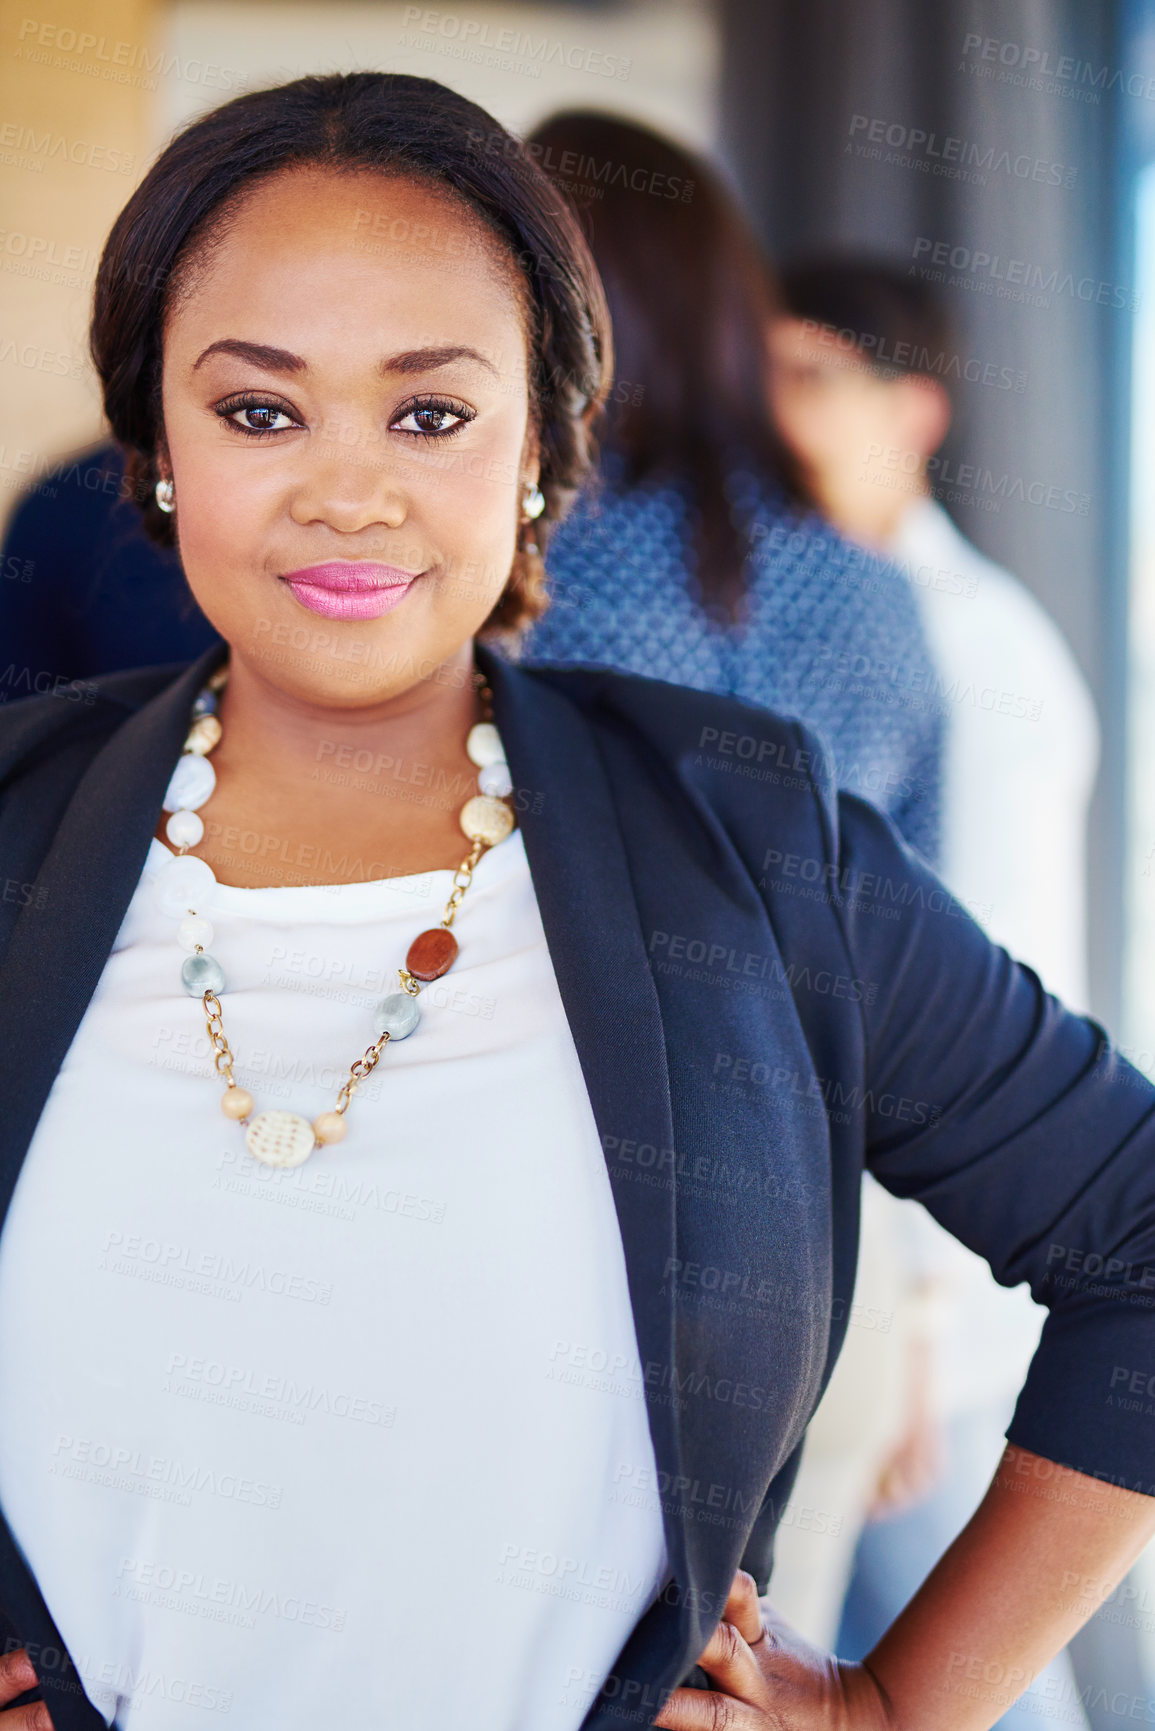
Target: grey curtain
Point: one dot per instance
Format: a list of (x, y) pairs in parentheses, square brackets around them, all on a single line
[(837, 116)]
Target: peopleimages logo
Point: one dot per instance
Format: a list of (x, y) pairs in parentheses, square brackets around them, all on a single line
[(991, 268), (1060, 74), (920, 146), (475, 39), (45, 44)]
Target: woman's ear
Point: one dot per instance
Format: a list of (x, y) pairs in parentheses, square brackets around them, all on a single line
[(524, 597), (159, 466), (530, 466)]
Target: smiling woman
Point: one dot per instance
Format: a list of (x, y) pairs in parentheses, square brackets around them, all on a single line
[(452, 1382)]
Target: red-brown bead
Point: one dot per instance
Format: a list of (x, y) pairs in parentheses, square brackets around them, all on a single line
[(432, 954)]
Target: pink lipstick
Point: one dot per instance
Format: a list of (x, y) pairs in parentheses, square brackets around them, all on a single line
[(350, 589)]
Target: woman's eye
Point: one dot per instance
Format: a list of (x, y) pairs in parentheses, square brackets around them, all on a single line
[(261, 418), (430, 419)]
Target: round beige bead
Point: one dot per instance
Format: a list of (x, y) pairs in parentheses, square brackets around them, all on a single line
[(329, 1127), (204, 733), (486, 819), (237, 1103)]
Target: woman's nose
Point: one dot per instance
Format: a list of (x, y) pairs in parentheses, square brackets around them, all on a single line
[(348, 488)]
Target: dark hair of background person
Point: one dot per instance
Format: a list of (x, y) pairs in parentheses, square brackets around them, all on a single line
[(691, 297), (393, 124), (896, 322)]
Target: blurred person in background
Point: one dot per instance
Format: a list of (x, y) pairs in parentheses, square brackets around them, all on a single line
[(860, 398), (85, 591), (860, 360), (696, 558)]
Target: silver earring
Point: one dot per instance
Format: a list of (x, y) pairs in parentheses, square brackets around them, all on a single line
[(166, 497), (534, 503)]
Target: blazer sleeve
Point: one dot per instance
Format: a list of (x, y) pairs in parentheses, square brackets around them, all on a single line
[(1022, 1131)]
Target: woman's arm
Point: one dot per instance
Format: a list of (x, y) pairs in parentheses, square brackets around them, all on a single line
[(1044, 1548), (1023, 1132), (1039, 1555), (1029, 1139)]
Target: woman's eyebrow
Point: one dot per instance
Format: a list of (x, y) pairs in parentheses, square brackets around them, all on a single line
[(426, 360), (270, 360), (274, 360)]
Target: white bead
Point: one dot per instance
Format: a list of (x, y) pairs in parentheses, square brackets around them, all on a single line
[(194, 931), (192, 782), (184, 828), (495, 780), (183, 884), (484, 744), (280, 1139)]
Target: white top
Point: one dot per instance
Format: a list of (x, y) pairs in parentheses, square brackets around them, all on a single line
[(332, 1445), (1022, 749)]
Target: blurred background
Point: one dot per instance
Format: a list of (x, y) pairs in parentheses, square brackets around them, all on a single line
[(1002, 151)]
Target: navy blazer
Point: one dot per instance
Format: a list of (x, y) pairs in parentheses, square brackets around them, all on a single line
[(768, 991)]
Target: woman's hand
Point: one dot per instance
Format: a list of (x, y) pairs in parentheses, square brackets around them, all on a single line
[(770, 1679), (16, 1677)]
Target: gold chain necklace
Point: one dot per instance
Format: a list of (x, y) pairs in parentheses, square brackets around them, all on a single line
[(184, 887)]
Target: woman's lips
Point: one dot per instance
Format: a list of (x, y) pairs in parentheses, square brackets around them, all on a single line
[(350, 589)]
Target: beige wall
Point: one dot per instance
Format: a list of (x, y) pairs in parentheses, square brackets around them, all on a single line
[(77, 81), (657, 60)]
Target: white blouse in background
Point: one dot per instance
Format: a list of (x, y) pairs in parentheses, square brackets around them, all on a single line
[(336, 1445), (1021, 750)]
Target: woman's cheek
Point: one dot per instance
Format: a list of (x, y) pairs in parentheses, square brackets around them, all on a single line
[(474, 512), (221, 525), (474, 481)]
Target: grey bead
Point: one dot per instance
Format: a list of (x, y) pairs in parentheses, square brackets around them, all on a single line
[(201, 974), (396, 1016)]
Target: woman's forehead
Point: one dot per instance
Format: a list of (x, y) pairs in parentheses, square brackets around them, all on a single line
[(316, 249)]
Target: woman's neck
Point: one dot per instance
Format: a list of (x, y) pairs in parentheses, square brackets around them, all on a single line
[(273, 732), (312, 795)]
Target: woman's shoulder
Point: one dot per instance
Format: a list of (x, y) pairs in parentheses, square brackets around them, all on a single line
[(751, 767), (56, 714), (659, 708)]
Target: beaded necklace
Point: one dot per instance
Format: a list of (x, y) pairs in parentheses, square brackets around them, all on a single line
[(184, 887)]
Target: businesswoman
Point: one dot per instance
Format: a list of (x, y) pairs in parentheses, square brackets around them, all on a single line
[(436, 1093)]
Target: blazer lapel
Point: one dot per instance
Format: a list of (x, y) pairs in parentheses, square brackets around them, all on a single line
[(55, 958), (613, 876), (581, 877)]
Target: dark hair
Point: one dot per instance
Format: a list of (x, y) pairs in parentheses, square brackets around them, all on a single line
[(691, 298), (896, 322), (356, 121)]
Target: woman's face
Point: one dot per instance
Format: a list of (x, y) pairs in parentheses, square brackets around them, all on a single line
[(346, 417)]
